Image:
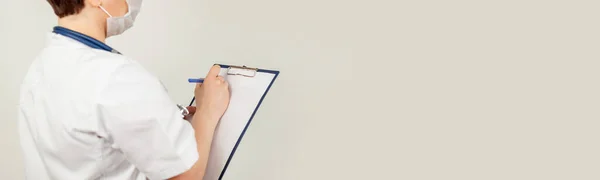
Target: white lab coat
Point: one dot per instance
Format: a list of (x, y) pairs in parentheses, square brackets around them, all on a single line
[(90, 114)]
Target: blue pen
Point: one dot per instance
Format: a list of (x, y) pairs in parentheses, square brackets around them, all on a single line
[(193, 80)]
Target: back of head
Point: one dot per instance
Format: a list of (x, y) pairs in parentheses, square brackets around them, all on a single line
[(98, 19), (64, 8)]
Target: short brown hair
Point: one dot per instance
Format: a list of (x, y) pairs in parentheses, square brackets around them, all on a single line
[(64, 8)]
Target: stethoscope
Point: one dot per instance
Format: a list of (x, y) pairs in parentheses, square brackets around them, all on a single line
[(94, 43), (84, 39)]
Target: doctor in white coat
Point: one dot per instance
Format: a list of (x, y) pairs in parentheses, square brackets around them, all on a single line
[(88, 112)]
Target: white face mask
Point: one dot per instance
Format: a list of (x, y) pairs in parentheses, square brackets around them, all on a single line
[(118, 25)]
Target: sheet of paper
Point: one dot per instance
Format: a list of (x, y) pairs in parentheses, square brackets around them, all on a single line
[(246, 93)]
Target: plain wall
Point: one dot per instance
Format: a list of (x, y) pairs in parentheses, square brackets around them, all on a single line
[(370, 89)]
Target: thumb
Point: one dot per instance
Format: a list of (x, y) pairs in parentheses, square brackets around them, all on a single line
[(214, 71)]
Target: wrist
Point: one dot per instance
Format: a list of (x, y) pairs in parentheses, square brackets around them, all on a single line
[(204, 118)]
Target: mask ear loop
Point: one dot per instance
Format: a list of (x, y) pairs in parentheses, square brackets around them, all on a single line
[(105, 11)]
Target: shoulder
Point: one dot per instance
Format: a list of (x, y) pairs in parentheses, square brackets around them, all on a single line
[(113, 74), (125, 76), (125, 71), (92, 69), (111, 68), (66, 52)]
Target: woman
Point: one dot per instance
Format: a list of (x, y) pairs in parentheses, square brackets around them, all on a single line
[(88, 112)]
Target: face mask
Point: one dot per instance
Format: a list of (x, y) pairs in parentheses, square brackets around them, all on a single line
[(118, 25)]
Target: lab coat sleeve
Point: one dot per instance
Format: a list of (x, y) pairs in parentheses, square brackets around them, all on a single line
[(145, 125)]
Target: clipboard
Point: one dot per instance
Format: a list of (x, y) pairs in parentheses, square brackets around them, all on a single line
[(248, 88)]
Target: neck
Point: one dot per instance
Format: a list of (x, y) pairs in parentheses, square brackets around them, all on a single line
[(87, 26)]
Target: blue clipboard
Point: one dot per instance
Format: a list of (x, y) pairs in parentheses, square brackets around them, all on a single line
[(276, 74)]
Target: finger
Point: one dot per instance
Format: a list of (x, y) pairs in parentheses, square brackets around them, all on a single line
[(214, 71), (198, 84), (221, 80)]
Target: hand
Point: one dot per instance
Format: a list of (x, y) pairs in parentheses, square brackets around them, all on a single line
[(212, 96)]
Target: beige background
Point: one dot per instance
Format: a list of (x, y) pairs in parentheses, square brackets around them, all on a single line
[(370, 89)]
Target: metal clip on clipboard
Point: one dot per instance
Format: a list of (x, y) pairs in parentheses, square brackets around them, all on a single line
[(242, 71)]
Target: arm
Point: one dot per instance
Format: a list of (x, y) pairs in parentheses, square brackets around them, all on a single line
[(143, 123), (204, 129), (213, 97)]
